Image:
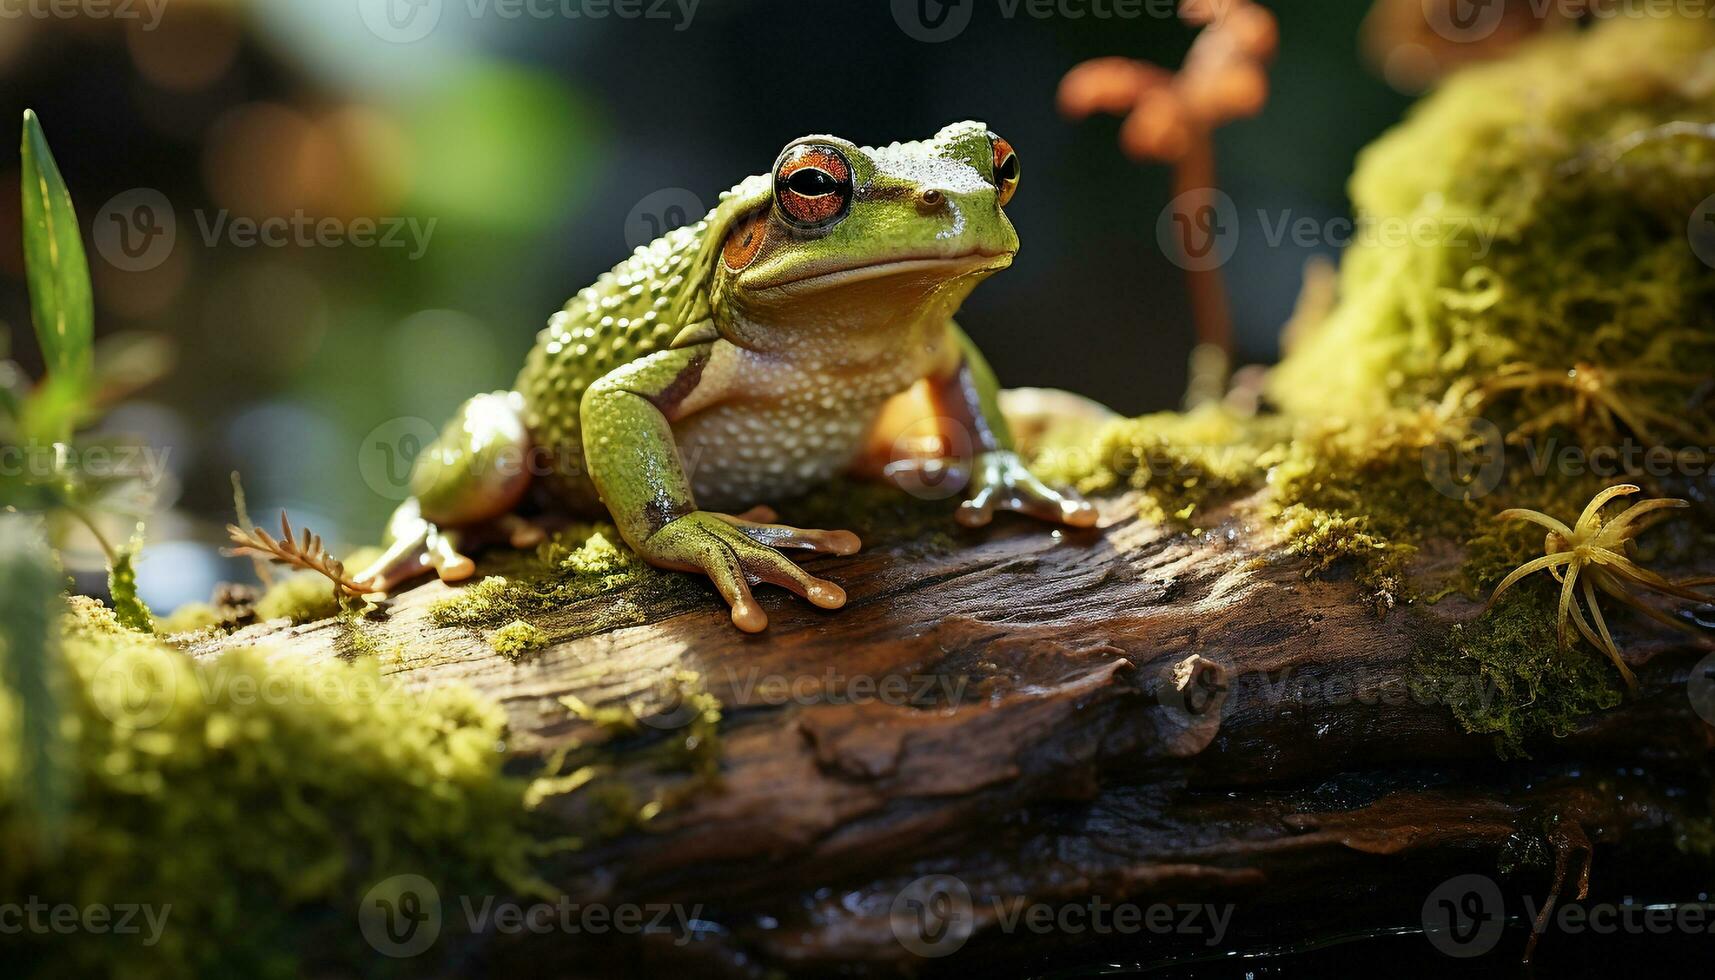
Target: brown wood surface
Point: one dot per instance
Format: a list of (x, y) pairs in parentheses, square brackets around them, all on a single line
[(1132, 712)]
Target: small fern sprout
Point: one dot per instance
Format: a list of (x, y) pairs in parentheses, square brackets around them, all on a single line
[(1592, 556), (304, 552)]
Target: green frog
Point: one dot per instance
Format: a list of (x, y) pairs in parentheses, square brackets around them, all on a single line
[(801, 330)]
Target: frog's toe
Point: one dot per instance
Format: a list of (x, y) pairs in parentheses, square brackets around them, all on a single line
[(1003, 483), (757, 525), (736, 553), (448, 562)]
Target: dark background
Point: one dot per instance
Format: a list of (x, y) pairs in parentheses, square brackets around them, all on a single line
[(531, 143)]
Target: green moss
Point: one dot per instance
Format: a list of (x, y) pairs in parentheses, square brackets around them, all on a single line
[(516, 639), (574, 565), (1557, 207), (261, 799), (1179, 463), (302, 598), (1507, 676), (191, 617)]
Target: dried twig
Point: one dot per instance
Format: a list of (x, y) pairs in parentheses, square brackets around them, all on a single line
[(303, 551)]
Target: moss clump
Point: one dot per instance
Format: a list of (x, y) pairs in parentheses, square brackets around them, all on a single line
[(1555, 188), (517, 639), (302, 598), (1506, 675), (1180, 463), (259, 798), (192, 617)]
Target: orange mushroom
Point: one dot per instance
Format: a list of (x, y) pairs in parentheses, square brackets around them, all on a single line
[(1172, 117)]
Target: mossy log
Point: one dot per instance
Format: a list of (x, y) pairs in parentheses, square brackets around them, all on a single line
[(1133, 714)]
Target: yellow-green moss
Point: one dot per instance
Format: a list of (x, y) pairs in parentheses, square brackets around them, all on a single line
[(1557, 154), (302, 598), (516, 639), (260, 798), (1180, 463)]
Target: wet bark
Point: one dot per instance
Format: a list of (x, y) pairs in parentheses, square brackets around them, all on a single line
[(1129, 715)]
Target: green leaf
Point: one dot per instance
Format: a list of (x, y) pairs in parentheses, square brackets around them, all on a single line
[(30, 603), (128, 608), (54, 263)]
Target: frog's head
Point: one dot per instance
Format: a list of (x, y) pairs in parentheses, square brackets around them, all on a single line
[(842, 238)]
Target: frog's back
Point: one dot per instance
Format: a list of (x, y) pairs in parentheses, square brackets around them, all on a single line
[(625, 315)]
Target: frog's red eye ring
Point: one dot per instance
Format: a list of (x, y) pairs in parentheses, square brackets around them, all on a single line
[(745, 242), (1005, 170), (813, 185)]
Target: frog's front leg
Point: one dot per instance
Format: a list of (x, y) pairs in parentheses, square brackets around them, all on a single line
[(634, 463), (962, 391), (473, 473)]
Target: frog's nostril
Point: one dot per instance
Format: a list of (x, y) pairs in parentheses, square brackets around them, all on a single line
[(930, 199)]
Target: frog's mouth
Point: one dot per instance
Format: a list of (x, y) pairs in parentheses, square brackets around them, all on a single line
[(927, 268)]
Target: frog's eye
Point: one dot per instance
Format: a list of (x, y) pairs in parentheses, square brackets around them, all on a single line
[(813, 185), (1005, 170)]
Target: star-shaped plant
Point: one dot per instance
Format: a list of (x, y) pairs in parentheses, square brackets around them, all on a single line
[(1592, 555), (1599, 400)]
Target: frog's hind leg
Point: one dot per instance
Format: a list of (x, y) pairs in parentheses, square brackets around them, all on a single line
[(475, 472)]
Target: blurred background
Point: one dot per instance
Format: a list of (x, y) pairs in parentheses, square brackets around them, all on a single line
[(441, 175)]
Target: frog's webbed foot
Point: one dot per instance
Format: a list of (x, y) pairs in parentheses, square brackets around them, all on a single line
[(738, 552), (417, 547), (1000, 479)]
